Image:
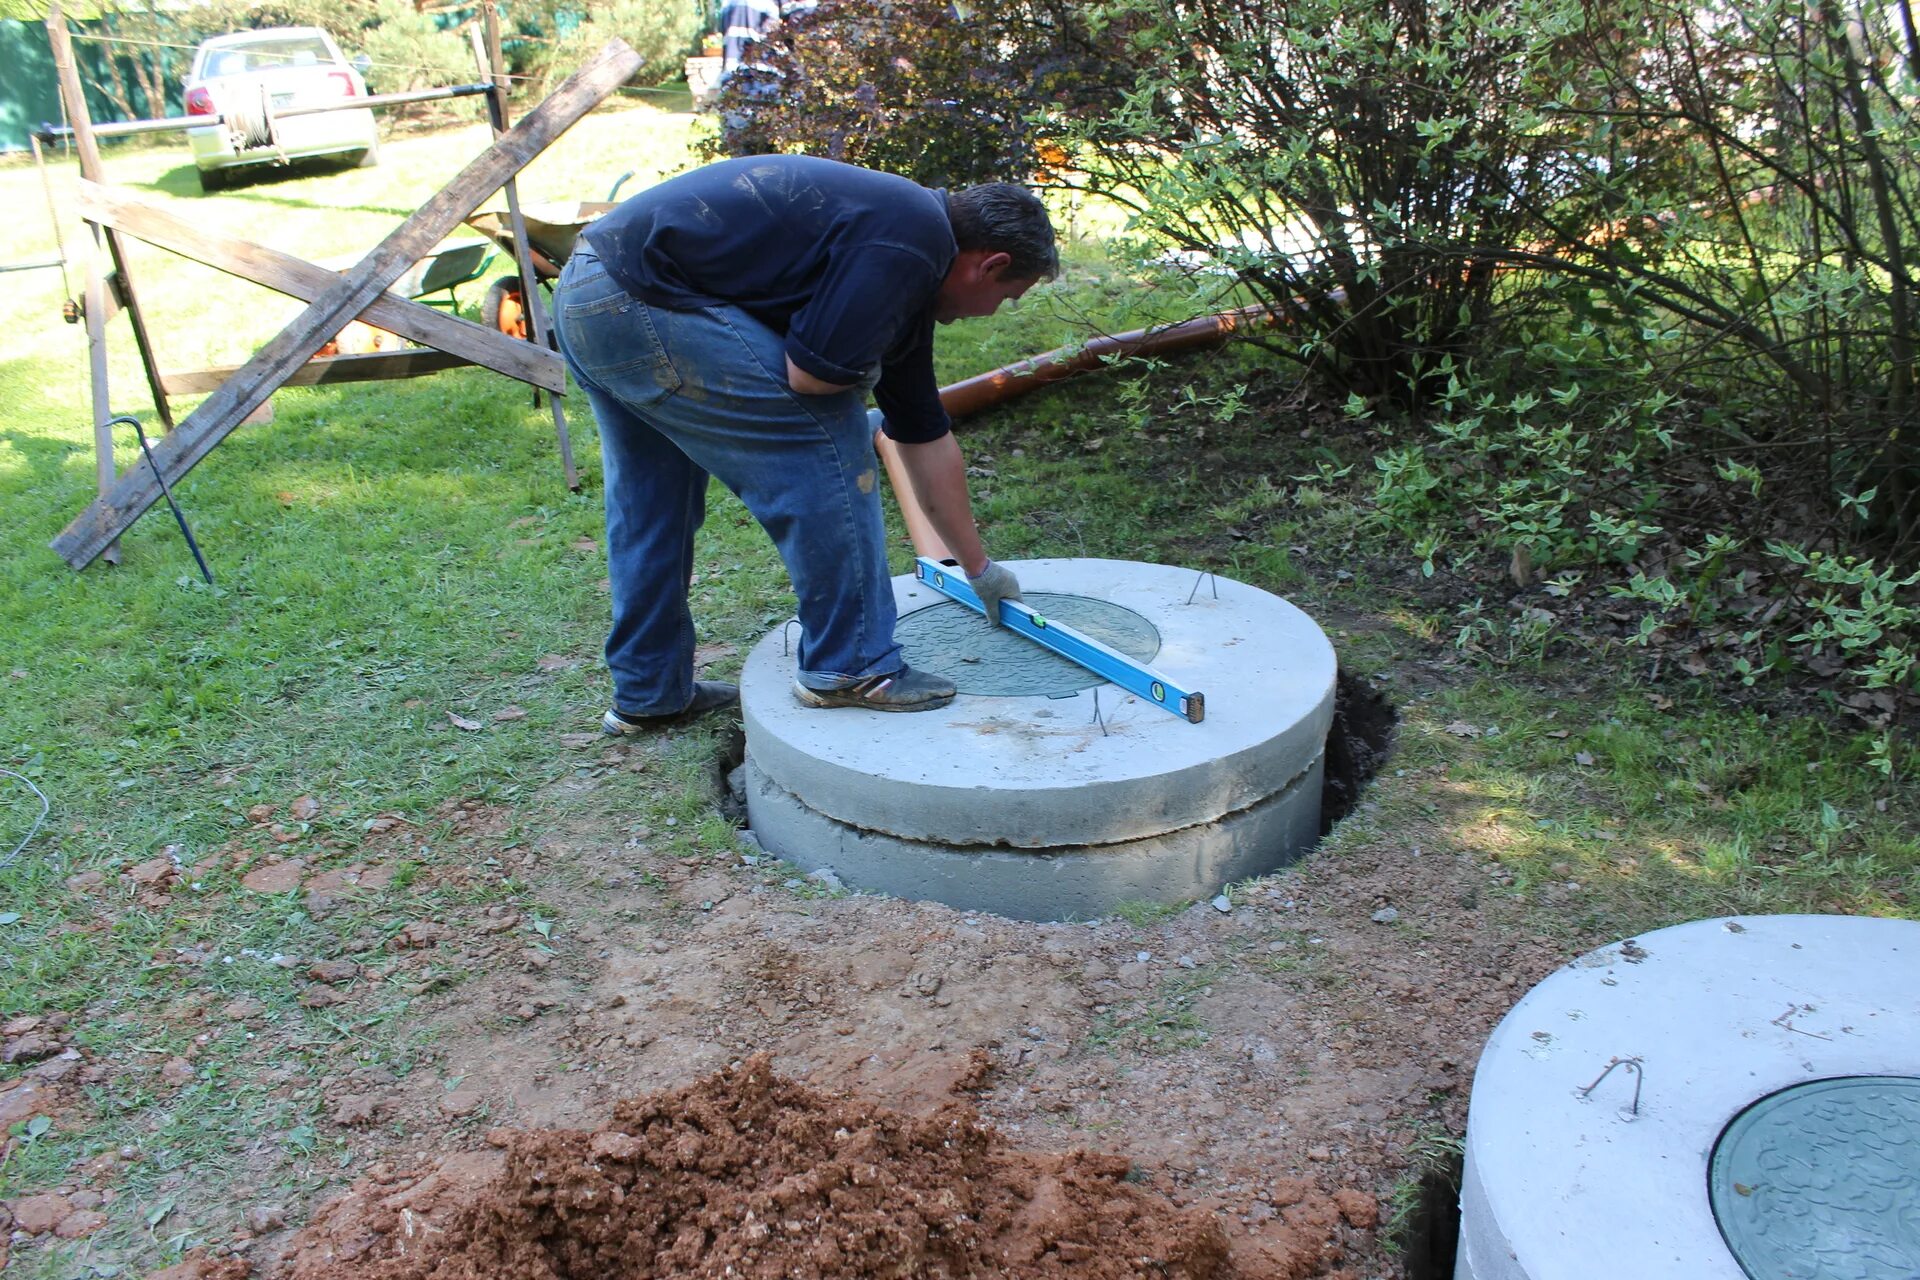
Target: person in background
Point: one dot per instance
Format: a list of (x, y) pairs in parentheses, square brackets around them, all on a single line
[(742, 23)]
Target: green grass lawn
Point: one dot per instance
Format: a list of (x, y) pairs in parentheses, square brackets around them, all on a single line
[(392, 556)]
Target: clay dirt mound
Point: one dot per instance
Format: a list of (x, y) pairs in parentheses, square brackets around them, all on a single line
[(746, 1174)]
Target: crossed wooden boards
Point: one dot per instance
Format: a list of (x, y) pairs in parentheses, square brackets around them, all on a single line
[(333, 299)]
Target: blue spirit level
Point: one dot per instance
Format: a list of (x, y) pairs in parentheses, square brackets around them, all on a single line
[(1103, 660)]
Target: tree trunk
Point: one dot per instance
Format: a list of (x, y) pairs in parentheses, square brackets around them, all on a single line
[(115, 86), (1848, 41)]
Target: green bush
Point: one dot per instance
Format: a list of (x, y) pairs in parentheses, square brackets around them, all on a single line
[(1565, 465), (409, 51), (1626, 291), (660, 31), (1542, 452), (1349, 166), (916, 88)]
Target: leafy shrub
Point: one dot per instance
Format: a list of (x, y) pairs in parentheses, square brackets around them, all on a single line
[(916, 88), (660, 31), (1626, 291), (409, 51), (1566, 463), (1349, 166), (1543, 450)]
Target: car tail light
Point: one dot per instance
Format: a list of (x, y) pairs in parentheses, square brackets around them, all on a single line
[(343, 79), (200, 103)]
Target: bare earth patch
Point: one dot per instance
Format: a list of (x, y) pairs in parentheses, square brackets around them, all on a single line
[(1269, 1070), (747, 1174), (671, 1031)]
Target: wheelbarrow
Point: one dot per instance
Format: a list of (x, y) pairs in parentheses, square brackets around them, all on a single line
[(552, 231)]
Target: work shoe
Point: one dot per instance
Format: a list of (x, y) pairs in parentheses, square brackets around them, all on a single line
[(902, 690), (707, 694)]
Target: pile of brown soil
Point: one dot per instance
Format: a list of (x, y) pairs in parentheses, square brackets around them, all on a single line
[(746, 1174)]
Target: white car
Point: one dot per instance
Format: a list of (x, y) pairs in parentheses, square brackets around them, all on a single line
[(238, 75)]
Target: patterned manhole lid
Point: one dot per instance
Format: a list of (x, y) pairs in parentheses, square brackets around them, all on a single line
[(956, 642), (1820, 1181)]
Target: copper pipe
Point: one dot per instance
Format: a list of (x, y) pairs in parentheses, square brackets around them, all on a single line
[(989, 389), (919, 529)]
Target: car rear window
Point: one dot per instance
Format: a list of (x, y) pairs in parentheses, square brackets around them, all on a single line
[(268, 55)]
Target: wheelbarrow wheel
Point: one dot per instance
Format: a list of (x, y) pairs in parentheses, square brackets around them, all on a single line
[(505, 309)]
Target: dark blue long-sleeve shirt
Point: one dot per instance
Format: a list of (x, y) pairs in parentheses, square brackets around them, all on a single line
[(844, 261)]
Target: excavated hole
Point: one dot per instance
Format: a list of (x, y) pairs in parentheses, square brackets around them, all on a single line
[(1429, 1235), (732, 755), (1358, 744)]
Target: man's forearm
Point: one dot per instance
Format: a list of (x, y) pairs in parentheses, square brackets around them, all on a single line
[(938, 473)]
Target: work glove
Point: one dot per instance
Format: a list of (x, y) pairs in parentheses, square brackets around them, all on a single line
[(995, 583)]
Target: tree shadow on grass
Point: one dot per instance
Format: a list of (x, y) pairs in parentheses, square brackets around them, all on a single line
[(255, 185), (46, 460)]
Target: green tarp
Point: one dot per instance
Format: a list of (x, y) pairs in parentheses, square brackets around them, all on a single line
[(29, 89)]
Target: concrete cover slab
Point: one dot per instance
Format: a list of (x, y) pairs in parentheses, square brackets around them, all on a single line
[(1030, 772), (1720, 1013)]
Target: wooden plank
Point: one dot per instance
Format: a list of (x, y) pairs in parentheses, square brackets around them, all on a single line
[(109, 294), (76, 104), (298, 278), (371, 366), (94, 304), (84, 539), (94, 309)]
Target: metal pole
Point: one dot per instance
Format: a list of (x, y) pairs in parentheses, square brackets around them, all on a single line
[(49, 132), (529, 281)]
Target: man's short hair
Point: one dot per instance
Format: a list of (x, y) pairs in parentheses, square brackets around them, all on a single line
[(1004, 217)]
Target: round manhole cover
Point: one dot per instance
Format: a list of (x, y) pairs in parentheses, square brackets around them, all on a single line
[(1821, 1180), (956, 642)]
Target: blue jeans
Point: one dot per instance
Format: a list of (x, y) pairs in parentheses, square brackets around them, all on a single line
[(679, 396)]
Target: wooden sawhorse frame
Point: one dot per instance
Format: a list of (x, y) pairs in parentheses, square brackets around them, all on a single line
[(333, 298)]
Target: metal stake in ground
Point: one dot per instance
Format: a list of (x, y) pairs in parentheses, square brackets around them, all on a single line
[(1103, 660), (166, 491)]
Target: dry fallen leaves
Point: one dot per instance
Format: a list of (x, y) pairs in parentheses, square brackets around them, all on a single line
[(461, 722), (509, 713), (304, 808), (554, 662), (706, 655), (1461, 729)]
